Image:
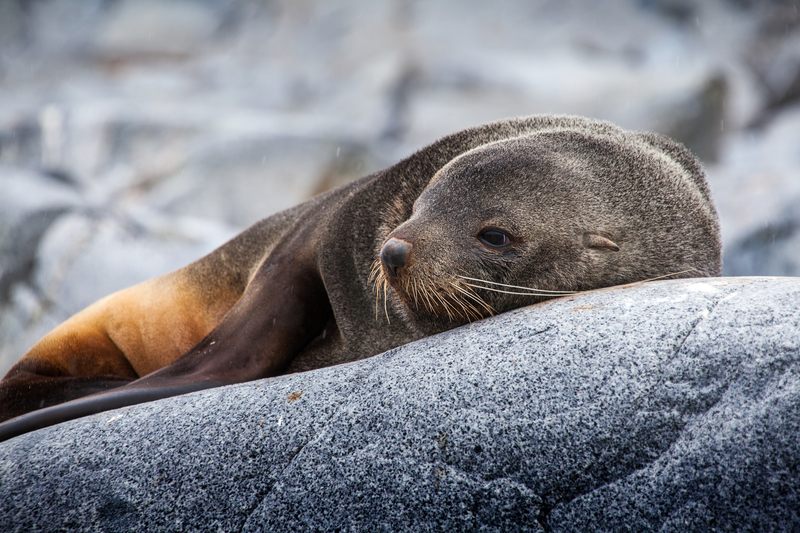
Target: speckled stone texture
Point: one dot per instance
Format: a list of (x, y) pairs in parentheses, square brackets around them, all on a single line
[(669, 406)]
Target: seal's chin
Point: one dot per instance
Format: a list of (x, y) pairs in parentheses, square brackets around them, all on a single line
[(414, 308), (410, 299), (441, 301)]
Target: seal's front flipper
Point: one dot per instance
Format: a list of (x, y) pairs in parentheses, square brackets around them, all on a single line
[(29, 391), (283, 309), (50, 416), (47, 375)]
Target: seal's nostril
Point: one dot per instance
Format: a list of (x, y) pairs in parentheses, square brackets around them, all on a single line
[(394, 254)]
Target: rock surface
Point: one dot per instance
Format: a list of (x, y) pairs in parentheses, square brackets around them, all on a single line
[(668, 406), (773, 250)]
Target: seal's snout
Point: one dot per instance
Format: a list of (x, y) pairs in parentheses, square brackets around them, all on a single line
[(394, 254)]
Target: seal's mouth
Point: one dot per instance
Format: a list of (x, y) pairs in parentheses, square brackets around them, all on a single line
[(423, 293)]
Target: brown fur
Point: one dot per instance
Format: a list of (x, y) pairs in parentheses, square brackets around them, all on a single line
[(589, 205)]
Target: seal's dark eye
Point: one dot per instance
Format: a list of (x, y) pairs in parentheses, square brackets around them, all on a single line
[(495, 238)]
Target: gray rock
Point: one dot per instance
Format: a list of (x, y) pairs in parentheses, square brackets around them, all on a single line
[(666, 406), (30, 203), (58, 256), (243, 180), (773, 250), (699, 123), (756, 180), (774, 56), (85, 256), (171, 27)]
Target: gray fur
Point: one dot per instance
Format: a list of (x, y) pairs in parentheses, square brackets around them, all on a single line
[(643, 190), (588, 205)]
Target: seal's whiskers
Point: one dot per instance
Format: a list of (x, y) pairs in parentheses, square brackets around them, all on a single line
[(425, 291), (532, 291), (544, 292), (668, 275), (469, 293), (380, 283), (385, 299)]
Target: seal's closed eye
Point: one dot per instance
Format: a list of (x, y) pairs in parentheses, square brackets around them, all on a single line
[(598, 242)]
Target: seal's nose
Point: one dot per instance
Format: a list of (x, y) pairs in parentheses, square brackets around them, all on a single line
[(394, 254)]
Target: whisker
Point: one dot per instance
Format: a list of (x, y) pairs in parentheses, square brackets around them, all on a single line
[(537, 293), (474, 310), (467, 313), (512, 287), (475, 297), (385, 305), (374, 278), (445, 304), (428, 302), (668, 275), (461, 300), (375, 271), (452, 311)]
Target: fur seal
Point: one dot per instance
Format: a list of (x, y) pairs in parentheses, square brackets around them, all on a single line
[(480, 222)]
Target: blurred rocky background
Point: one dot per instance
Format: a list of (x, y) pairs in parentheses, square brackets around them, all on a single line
[(138, 135)]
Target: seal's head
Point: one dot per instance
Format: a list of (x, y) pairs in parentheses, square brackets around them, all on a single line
[(555, 212)]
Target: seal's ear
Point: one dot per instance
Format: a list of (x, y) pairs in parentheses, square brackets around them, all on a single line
[(598, 242)]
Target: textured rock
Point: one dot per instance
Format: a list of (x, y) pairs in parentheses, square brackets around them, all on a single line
[(758, 178), (156, 27), (668, 406), (30, 203), (58, 255), (773, 250)]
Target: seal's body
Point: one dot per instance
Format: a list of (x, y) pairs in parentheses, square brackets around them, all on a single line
[(451, 234)]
